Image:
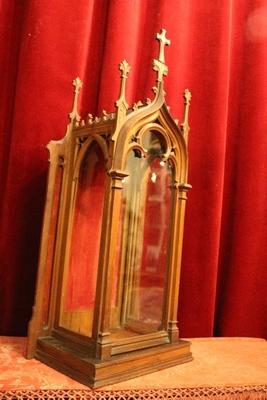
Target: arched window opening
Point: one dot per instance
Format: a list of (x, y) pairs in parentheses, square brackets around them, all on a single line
[(79, 282)]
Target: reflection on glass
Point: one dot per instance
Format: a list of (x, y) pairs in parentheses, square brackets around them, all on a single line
[(79, 284), (146, 211)]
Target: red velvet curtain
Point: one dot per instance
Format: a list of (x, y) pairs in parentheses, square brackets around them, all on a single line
[(219, 51)]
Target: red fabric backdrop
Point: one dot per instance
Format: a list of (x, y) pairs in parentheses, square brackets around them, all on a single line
[(219, 51)]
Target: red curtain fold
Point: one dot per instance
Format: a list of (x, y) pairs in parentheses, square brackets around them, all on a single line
[(218, 51)]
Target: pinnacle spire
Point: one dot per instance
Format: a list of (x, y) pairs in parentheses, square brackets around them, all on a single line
[(74, 114)]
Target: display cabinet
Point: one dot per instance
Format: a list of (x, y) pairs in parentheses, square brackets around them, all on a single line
[(108, 278)]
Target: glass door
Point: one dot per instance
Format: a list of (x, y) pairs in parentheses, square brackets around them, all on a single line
[(145, 235)]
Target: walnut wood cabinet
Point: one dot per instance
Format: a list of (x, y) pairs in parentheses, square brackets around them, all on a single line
[(108, 278)]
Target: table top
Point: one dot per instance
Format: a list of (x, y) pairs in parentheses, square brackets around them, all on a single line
[(218, 362)]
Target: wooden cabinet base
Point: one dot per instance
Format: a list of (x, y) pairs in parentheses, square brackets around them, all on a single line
[(95, 373)]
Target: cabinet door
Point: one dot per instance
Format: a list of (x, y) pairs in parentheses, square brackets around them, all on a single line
[(145, 237)]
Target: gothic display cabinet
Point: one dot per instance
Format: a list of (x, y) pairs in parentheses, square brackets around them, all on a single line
[(108, 278)]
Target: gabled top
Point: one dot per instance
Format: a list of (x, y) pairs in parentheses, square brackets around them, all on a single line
[(124, 113)]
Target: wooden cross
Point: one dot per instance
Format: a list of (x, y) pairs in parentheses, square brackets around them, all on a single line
[(163, 41)]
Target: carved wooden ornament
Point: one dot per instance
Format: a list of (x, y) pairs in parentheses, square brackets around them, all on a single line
[(109, 269)]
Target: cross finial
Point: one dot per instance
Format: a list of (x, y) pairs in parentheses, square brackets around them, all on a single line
[(159, 64), (163, 41)]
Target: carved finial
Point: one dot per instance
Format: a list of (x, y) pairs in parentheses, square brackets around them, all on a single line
[(185, 125), (121, 103), (74, 115), (124, 67), (187, 97), (159, 64)]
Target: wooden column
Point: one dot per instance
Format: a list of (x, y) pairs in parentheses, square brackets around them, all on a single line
[(180, 198), (102, 314)]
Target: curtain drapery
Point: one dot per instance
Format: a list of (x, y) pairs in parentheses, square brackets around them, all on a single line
[(218, 51)]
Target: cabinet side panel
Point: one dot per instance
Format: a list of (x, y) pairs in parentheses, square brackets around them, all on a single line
[(51, 243), (46, 255)]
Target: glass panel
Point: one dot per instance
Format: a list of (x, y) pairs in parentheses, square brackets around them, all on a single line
[(147, 292), (79, 283), (146, 216)]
